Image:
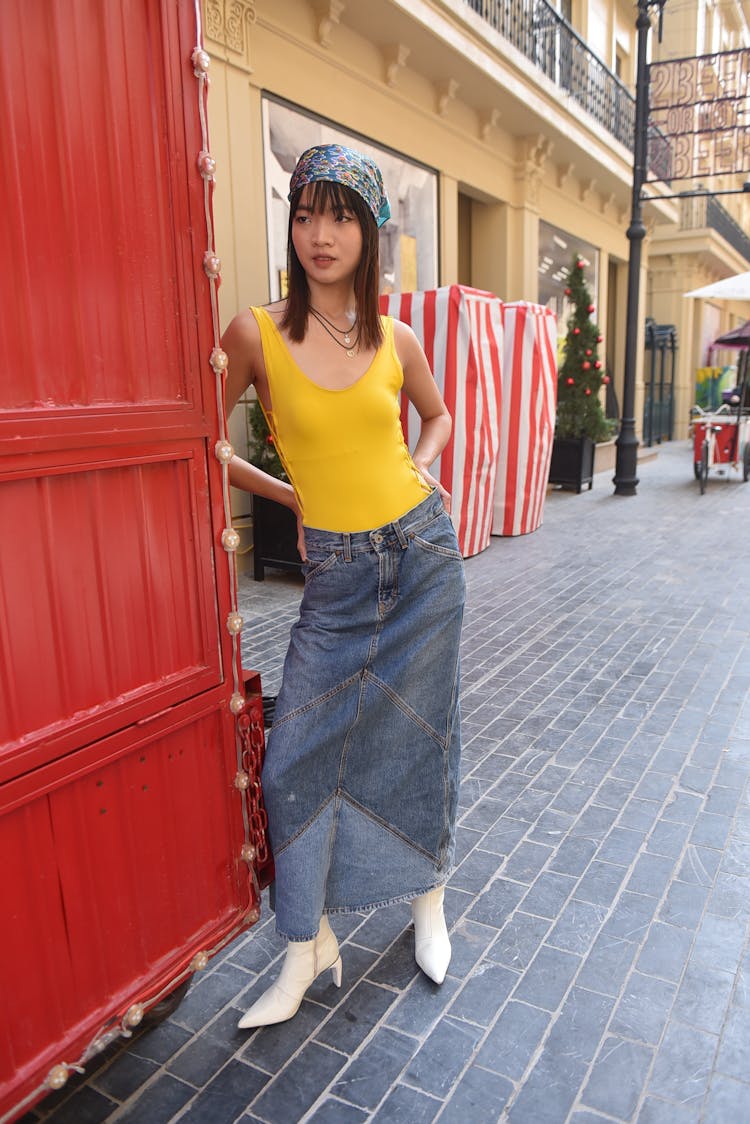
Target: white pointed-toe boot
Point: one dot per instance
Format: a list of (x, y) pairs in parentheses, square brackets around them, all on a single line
[(303, 963), (432, 948)]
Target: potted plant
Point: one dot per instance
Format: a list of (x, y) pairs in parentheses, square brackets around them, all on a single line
[(580, 421), (274, 524)]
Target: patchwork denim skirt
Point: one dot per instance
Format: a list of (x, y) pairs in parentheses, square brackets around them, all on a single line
[(362, 766)]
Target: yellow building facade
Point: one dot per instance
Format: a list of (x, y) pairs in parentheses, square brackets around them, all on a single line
[(503, 127), (709, 237)]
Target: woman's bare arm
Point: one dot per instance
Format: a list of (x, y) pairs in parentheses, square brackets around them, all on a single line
[(241, 341), (422, 392)]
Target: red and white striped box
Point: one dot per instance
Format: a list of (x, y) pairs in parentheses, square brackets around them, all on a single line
[(461, 331), (527, 420)]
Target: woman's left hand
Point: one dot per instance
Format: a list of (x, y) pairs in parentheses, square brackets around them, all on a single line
[(300, 533), (433, 483)]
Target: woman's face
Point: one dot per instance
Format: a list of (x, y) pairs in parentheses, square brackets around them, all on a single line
[(328, 243)]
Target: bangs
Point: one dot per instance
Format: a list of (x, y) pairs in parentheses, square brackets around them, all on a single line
[(325, 194)]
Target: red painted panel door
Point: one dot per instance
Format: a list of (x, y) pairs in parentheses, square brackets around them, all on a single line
[(120, 824)]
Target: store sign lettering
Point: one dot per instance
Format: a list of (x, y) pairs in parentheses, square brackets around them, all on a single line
[(701, 106)]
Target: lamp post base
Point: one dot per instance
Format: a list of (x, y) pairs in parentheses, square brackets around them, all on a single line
[(625, 479)]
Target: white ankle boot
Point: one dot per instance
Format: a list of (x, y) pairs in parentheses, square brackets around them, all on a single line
[(303, 963), (432, 948)]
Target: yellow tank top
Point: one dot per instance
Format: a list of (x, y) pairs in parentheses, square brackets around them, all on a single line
[(343, 450)]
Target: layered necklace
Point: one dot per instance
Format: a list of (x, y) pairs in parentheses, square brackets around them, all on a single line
[(351, 347)]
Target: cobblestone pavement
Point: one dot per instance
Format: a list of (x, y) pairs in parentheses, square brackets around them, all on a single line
[(600, 907)]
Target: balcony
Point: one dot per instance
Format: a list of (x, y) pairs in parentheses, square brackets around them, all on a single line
[(719, 219), (700, 211), (550, 43)]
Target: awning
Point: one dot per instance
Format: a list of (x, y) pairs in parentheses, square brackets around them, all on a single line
[(729, 289), (738, 337)]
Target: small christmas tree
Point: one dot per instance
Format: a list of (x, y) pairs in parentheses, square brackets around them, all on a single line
[(579, 410), (263, 449)]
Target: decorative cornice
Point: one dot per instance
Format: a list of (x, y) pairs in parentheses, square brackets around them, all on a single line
[(565, 174), (227, 23), (489, 119), (533, 152), (588, 190), (446, 93), (329, 14), (395, 57), (610, 206)]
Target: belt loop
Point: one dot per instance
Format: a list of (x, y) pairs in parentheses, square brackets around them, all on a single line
[(400, 534), (347, 547)]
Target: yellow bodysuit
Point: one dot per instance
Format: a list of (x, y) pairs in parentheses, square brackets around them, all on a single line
[(343, 450)]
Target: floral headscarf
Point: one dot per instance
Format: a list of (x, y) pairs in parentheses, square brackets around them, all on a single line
[(343, 165)]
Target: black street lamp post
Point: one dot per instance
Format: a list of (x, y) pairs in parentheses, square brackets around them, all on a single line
[(625, 479)]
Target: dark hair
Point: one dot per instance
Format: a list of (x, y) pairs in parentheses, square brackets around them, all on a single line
[(340, 198)]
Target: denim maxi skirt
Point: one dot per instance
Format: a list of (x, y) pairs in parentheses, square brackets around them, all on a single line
[(362, 767)]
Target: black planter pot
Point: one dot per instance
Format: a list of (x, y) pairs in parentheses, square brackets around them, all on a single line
[(572, 463), (274, 537)]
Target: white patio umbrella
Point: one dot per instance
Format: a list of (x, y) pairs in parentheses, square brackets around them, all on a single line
[(735, 288)]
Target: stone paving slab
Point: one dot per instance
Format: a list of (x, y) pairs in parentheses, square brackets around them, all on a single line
[(601, 902)]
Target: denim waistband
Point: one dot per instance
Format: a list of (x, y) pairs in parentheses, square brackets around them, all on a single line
[(379, 538)]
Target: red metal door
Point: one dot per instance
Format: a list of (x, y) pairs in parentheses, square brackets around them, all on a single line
[(120, 825)]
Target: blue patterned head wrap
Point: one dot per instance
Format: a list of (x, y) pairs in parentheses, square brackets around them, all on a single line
[(346, 166)]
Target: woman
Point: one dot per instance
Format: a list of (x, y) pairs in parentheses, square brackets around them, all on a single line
[(361, 772)]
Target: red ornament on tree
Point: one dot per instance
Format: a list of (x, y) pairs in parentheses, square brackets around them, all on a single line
[(599, 339), (579, 409), (605, 379)]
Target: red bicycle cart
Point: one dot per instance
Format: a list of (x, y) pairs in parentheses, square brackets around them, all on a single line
[(721, 438)]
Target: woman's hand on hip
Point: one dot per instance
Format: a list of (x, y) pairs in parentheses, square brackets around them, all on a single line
[(300, 532), (428, 478)]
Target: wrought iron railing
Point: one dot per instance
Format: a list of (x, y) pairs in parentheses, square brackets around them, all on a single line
[(699, 210), (658, 378), (546, 39), (719, 219)]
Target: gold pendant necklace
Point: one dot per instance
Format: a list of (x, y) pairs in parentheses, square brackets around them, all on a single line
[(345, 332), (351, 350)]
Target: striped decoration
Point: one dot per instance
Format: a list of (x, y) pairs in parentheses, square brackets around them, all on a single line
[(527, 420), (461, 331)]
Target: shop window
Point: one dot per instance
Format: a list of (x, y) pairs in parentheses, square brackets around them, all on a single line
[(556, 250)]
